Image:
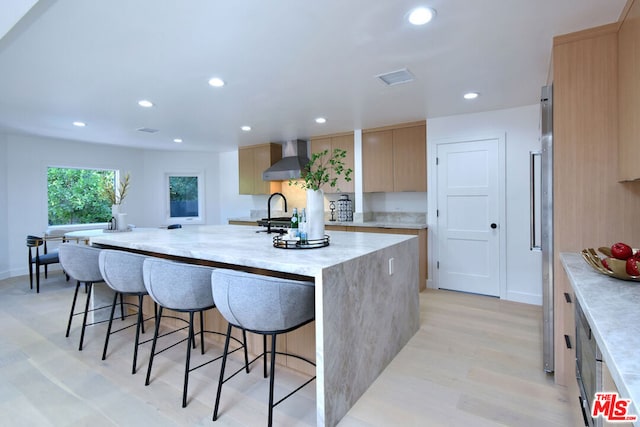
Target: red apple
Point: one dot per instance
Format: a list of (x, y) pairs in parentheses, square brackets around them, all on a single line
[(632, 267), (606, 264), (621, 251)]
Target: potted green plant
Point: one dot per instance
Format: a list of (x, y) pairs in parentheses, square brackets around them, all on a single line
[(324, 168), (317, 173)]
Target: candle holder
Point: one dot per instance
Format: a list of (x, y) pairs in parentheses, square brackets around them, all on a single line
[(332, 208)]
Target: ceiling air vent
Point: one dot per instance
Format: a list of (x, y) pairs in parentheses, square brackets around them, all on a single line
[(147, 130), (396, 77)]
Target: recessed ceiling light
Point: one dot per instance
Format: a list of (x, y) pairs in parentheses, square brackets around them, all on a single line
[(471, 95), (421, 15), (178, 140), (144, 103), (321, 120), (79, 124), (216, 82), (246, 128)]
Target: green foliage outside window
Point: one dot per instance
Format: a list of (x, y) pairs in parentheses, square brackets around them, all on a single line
[(183, 196), (76, 196)]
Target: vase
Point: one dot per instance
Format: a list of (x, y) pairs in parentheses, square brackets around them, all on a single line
[(115, 210), (315, 214)]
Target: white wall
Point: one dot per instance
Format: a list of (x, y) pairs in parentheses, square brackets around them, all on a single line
[(521, 127), (158, 163), (4, 228), (232, 204), (27, 159)]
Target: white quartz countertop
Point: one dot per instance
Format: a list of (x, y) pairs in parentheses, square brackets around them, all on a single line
[(244, 245), (372, 224), (612, 308)]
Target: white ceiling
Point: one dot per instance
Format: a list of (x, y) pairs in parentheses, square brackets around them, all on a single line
[(285, 62)]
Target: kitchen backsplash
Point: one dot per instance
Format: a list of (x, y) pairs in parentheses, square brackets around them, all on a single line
[(382, 217)]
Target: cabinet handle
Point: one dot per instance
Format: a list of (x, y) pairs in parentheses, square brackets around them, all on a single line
[(567, 341), (567, 297), (584, 413)]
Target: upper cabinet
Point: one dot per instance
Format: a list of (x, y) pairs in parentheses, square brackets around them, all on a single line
[(629, 95), (394, 158), (343, 142), (254, 160)]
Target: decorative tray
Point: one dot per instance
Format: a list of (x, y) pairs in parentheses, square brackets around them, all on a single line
[(616, 267), (283, 242)]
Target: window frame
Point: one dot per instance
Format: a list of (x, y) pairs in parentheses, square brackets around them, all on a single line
[(78, 226), (200, 218)]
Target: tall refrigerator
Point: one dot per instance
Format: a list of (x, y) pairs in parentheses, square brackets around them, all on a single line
[(546, 223)]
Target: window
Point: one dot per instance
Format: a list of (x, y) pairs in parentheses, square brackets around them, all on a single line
[(185, 198), (77, 196)]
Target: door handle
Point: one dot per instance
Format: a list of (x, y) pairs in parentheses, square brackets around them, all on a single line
[(494, 225)]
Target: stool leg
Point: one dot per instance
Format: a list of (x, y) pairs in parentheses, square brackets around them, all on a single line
[(121, 307), (186, 366), (86, 311), (272, 377), (139, 325), (264, 355), (73, 307), (201, 332), (246, 357), (221, 380), (153, 345), (106, 339)]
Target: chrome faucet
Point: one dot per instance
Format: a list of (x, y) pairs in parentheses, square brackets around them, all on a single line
[(269, 209)]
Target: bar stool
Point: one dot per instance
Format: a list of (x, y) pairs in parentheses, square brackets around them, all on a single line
[(122, 271), (81, 263), (266, 306), (183, 288)]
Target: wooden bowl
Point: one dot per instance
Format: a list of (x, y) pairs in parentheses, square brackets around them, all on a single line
[(617, 267)]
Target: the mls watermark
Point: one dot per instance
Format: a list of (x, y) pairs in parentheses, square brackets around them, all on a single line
[(612, 407)]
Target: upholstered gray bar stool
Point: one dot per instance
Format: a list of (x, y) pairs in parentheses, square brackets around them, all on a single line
[(122, 271), (264, 305), (183, 288), (80, 262)]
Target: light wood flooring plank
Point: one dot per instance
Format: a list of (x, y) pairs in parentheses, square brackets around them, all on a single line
[(476, 361)]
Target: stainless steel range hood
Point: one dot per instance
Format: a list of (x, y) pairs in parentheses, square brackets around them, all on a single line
[(294, 160)]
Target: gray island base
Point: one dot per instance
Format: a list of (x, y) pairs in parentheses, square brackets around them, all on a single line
[(366, 311)]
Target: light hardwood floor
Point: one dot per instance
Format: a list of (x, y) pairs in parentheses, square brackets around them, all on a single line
[(476, 361)]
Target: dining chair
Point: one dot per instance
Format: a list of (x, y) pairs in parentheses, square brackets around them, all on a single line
[(39, 259)]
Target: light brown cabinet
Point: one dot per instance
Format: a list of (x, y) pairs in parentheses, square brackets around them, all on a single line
[(343, 142), (586, 187), (254, 160), (629, 95), (394, 158)]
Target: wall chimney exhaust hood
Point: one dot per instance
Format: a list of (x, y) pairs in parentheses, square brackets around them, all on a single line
[(294, 160)]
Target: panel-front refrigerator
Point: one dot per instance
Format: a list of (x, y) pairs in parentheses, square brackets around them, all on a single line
[(546, 223)]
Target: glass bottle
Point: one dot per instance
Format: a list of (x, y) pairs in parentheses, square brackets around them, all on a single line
[(295, 221), (303, 226)]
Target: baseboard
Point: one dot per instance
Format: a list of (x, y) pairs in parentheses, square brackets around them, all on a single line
[(524, 298)]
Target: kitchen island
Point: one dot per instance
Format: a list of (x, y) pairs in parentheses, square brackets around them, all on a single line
[(366, 296)]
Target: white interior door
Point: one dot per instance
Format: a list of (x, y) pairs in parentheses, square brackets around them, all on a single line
[(469, 216)]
